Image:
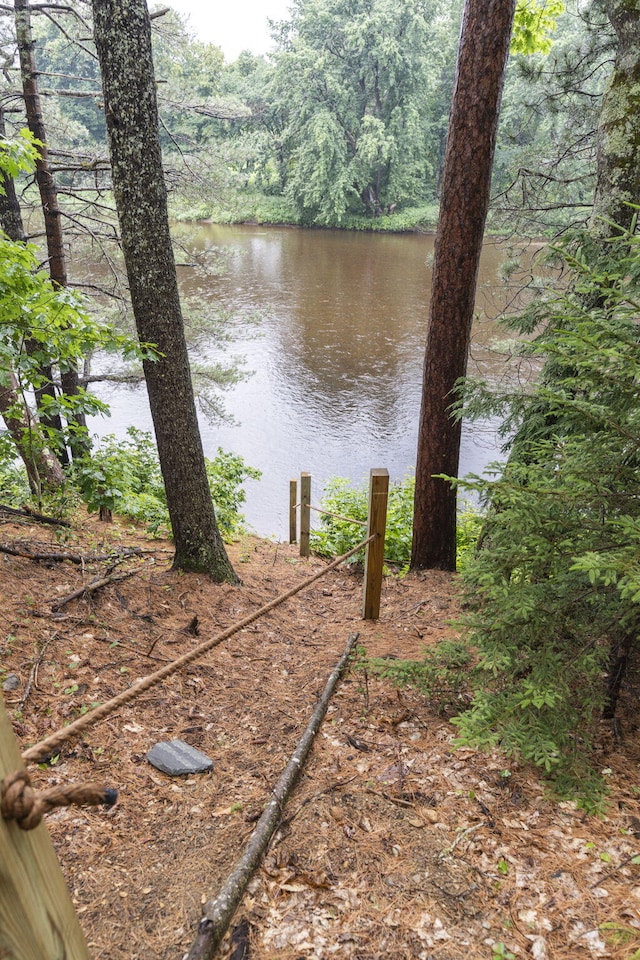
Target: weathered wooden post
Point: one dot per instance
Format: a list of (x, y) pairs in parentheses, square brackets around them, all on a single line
[(374, 558), (305, 513), (37, 918), (293, 505)]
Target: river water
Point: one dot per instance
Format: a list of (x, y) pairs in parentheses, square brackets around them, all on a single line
[(332, 324)]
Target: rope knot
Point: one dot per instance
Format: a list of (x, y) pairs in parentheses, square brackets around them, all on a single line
[(20, 802)]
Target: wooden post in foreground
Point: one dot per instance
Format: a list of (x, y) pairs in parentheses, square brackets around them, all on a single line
[(374, 558), (37, 918), (305, 513), (293, 503)]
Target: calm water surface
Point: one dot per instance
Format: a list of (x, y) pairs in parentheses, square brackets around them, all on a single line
[(337, 359)]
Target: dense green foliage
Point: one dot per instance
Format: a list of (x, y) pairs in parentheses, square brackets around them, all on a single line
[(43, 326), (344, 503), (553, 595), (124, 476), (534, 24), (346, 119), (355, 79)]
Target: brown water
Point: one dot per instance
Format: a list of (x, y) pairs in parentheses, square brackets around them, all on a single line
[(338, 357)]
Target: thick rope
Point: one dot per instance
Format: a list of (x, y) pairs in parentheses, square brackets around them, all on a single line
[(338, 516), (51, 743), (20, 802)]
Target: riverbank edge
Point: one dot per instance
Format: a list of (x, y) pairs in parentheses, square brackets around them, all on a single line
[(273, 212), (421, 220)]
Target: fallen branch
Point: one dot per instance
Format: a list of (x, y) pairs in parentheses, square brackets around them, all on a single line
[(219, 912), (90, 588), (60, 557), (32, 515)]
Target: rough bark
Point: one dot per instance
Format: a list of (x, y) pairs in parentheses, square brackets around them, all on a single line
[(48, 198), (618, 175), (10, 213), (43, 469), (482, 58), (123, 42)]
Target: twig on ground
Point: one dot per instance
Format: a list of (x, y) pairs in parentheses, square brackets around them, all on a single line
[(396, 800), (320, 793), (32, 515), (90, 588), (129, 646), (61, 556), (33, 675)]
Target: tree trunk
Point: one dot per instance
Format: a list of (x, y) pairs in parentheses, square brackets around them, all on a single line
[(10, 214), (43, 469), (41, 465), (618, 180), (482, 59), (49, 201), (123, 41)]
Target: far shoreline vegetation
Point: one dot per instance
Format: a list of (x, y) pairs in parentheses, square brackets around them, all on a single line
[(254, 209), (246, 209)]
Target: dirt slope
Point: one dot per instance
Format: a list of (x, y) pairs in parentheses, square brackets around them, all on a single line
[(394, 844)]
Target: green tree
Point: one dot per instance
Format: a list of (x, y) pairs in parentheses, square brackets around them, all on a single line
[(42, 324), (354, 78), (554, 591)]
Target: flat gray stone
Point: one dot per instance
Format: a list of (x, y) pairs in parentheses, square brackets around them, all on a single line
[(176, 758), (11, 683)]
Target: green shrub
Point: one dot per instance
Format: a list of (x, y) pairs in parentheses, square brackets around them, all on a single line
[(336, 535), (124, 476), (553, 594), (14, 485), (444, 675)]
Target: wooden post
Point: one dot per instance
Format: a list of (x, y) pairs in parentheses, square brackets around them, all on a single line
[(374, 559), (37, 918), (293, 503), (305, 513)]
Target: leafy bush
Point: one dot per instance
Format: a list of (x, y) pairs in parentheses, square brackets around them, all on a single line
[(553, 594), (124, 476), (226, 473), (337, 536)]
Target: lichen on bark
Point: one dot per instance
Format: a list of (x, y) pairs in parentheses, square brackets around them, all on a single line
[(122, 33)]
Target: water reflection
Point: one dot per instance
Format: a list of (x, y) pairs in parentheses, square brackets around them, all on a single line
[(338, 365)]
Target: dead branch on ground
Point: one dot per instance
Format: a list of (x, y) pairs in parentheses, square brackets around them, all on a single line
[(32, 515), (219, 912), (89, 588)]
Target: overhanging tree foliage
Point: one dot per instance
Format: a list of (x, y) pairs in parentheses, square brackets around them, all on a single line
[(41, 324), (122, 34)]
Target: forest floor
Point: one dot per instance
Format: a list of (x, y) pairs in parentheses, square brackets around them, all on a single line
[(394, 844)]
